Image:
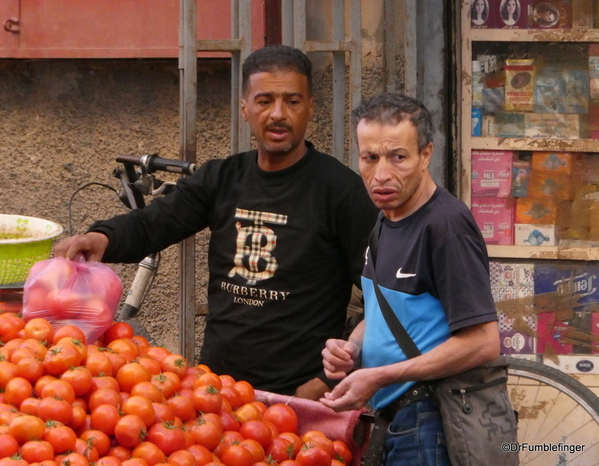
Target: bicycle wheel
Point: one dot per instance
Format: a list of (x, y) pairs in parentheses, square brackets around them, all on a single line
[(558, 417)]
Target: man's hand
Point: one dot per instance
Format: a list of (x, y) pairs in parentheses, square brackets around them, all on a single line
[(312, 390), (353, 392), (339, 358), (92, 245)]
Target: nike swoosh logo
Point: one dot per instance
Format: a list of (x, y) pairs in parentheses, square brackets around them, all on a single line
[(404, 275)]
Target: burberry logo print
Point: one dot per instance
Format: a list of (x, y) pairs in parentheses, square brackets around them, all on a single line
[(262, 240)]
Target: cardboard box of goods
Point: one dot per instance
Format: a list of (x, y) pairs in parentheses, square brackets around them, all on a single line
[(530, 234), (495, 218), (575, 364), (561, 89), (491, 173), (536, 210), (509, 124), (553, 162), (555, 185), (553, 125)]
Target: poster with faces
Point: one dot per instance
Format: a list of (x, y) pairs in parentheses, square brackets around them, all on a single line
[(510, 14), (480, 14)]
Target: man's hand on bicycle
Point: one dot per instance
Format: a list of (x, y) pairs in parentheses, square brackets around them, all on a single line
[(91, 245)]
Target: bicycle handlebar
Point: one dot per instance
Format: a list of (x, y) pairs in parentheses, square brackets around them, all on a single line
[(152, 163)]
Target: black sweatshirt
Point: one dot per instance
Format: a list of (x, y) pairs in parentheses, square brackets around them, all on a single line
[(285, 248)]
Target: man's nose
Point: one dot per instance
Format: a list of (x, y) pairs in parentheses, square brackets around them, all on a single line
[(382, 170), (278, 110)]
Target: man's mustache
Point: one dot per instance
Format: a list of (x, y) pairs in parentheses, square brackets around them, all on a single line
[(279, 126)]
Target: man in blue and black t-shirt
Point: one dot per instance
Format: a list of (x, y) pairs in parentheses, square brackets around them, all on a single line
[(432, 268)]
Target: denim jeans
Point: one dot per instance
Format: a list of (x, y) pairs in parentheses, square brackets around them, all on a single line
[(415, 437)]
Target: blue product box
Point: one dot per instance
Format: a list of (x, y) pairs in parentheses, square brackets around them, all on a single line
[(477, 122), (571, 286)]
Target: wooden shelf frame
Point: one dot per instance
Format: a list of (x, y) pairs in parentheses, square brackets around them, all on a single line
[(468, 142)]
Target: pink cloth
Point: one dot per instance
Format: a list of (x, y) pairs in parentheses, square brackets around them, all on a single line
[(313, 415)]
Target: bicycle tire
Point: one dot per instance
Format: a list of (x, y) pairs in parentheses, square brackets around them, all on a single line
[(556, 415)]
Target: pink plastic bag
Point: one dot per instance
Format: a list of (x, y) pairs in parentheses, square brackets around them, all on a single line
[(84, 294)]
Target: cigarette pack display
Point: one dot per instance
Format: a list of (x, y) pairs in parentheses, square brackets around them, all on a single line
[(477, 123), (488, 125), (520, 177), (519, 85), (553, 125), (493, 99), (550, 14), (561, 90), (535, 210), (509, 124), (530, 234), (553, 162), (495, 218), (491, 173)]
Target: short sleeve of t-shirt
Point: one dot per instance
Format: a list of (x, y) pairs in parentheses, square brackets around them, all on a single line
[(461, 276)]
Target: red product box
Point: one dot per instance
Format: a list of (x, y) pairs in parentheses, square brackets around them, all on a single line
[(491, 173), (495, 218), (510, 14), (551, 332)]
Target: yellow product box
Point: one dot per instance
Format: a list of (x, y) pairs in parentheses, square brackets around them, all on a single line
[(555, 185), (554, 162), (536, 210), (519, 85)]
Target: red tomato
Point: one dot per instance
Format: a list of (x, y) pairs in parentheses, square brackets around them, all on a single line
[(228, 438), (201, 454), (131, 374), (168, 382), (174, 363), (236, 455), (246, 391), (98, 364), (182, 407), (248, 412), (25, 428), (258, 431), (182, 458), (140, 407), (55, 409), (80, 378), (61, 357), (37, 451), (118, 330), (108, 461), (343, 452), (105, 418), (17, 390), (167, 436), (62, 438), (295, 441), (207, 399), (129, 431), (207, 434), (8, 371), (149, 452), (88, 451), (39, 329), (148, 390), (313, 456), (254, 448), (280, 449), (8, 445), (97, 439), (69, 331), (283, 416)]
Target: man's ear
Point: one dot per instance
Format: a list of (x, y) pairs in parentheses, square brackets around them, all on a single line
[(243, 110)]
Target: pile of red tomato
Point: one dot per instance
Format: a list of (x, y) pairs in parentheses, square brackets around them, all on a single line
[(122, 402)]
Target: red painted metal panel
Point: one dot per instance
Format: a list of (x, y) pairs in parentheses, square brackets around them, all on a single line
[(116, 28), (9, 16)]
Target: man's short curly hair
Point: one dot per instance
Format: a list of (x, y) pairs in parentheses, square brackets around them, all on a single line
[(392, 109), (276, 58)]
